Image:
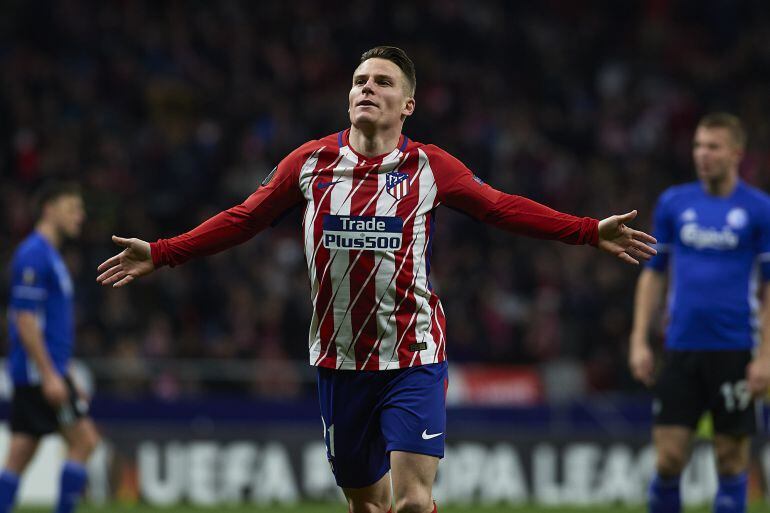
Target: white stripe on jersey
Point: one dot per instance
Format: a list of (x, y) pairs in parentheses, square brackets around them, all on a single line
[(753, 300), (384, 268), (341, 197), (417, 251), (421, 293), (384, 289), (349, 346), (306, 182), (335, 267), (28, 292), (442, 339), (33, 372)]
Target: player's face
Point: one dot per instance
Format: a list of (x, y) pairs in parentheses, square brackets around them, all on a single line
[(68, 213), (715, 153), (380, 95)]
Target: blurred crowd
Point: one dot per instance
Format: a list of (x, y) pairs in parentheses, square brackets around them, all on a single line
[(168, 112)]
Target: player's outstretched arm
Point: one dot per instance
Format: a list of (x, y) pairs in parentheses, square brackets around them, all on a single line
[(129, 264), (624, 242)]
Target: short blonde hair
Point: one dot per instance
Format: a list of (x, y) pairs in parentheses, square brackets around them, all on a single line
[(729, 122)]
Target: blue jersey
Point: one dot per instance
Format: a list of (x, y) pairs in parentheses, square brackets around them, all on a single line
[(40, 284), (718, 249)]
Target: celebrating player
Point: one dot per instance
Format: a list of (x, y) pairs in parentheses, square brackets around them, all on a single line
[(41, 332), (377, 333), (714, 234)]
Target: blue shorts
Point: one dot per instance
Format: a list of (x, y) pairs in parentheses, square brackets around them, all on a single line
[(368, 414)]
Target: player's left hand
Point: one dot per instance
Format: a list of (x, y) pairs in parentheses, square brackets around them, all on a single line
[(758, 376), (625, 243), (129, 264)]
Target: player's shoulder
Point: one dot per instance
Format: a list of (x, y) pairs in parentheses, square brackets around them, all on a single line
[(753, 194), (33, 250), (438, 156), (431, 150)]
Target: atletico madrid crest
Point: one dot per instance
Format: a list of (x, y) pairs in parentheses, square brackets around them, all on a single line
[(397, 184)]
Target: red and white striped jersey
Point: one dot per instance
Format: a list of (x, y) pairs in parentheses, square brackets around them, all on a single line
[(367, 229)]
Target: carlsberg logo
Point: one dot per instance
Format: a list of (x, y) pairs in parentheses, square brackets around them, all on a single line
[(708, 238)]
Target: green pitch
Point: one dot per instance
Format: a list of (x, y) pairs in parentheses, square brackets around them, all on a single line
[(340, 508)]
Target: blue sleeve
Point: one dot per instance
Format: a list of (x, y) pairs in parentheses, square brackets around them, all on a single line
[(29, 281), (663, 231), (763, 248)]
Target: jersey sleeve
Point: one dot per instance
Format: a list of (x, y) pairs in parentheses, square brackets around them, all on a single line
[(29, 282), (764, 241), (459, 188), (278, 193), (663, 231)]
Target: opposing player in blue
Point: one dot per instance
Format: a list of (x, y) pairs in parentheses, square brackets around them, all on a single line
[(41, 333), (714, 252)]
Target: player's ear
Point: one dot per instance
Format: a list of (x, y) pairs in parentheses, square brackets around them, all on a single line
[(408, 109)]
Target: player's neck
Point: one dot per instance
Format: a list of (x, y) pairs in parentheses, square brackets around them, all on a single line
[(375, 142), (49, 233), (722, 188)]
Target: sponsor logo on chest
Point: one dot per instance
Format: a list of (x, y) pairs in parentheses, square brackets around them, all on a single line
[(701, 237), (362, 232)]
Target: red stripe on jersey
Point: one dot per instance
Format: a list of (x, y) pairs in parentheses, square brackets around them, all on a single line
[(361, 187), (407, 356), (401, 259), (363, 197), (321, 262), (364, 325), (405, 309)]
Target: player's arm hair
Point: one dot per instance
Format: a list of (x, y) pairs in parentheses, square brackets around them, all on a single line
[(650, 289), (32, 339)]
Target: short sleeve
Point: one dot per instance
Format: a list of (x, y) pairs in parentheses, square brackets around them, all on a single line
[(29, 282), (663, 231)]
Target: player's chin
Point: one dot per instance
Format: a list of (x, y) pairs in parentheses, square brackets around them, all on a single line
[(361, 119), (74, 232), (365, 115), (707, 173)]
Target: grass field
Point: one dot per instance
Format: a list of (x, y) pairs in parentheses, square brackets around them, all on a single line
[(327, 508)]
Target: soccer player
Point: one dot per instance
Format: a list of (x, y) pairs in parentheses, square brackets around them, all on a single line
[(377, 333), (714, 242), (41, 334)]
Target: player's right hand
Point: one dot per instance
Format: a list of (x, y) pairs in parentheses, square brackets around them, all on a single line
[(131, 263), (641, 362), (54, 390)]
